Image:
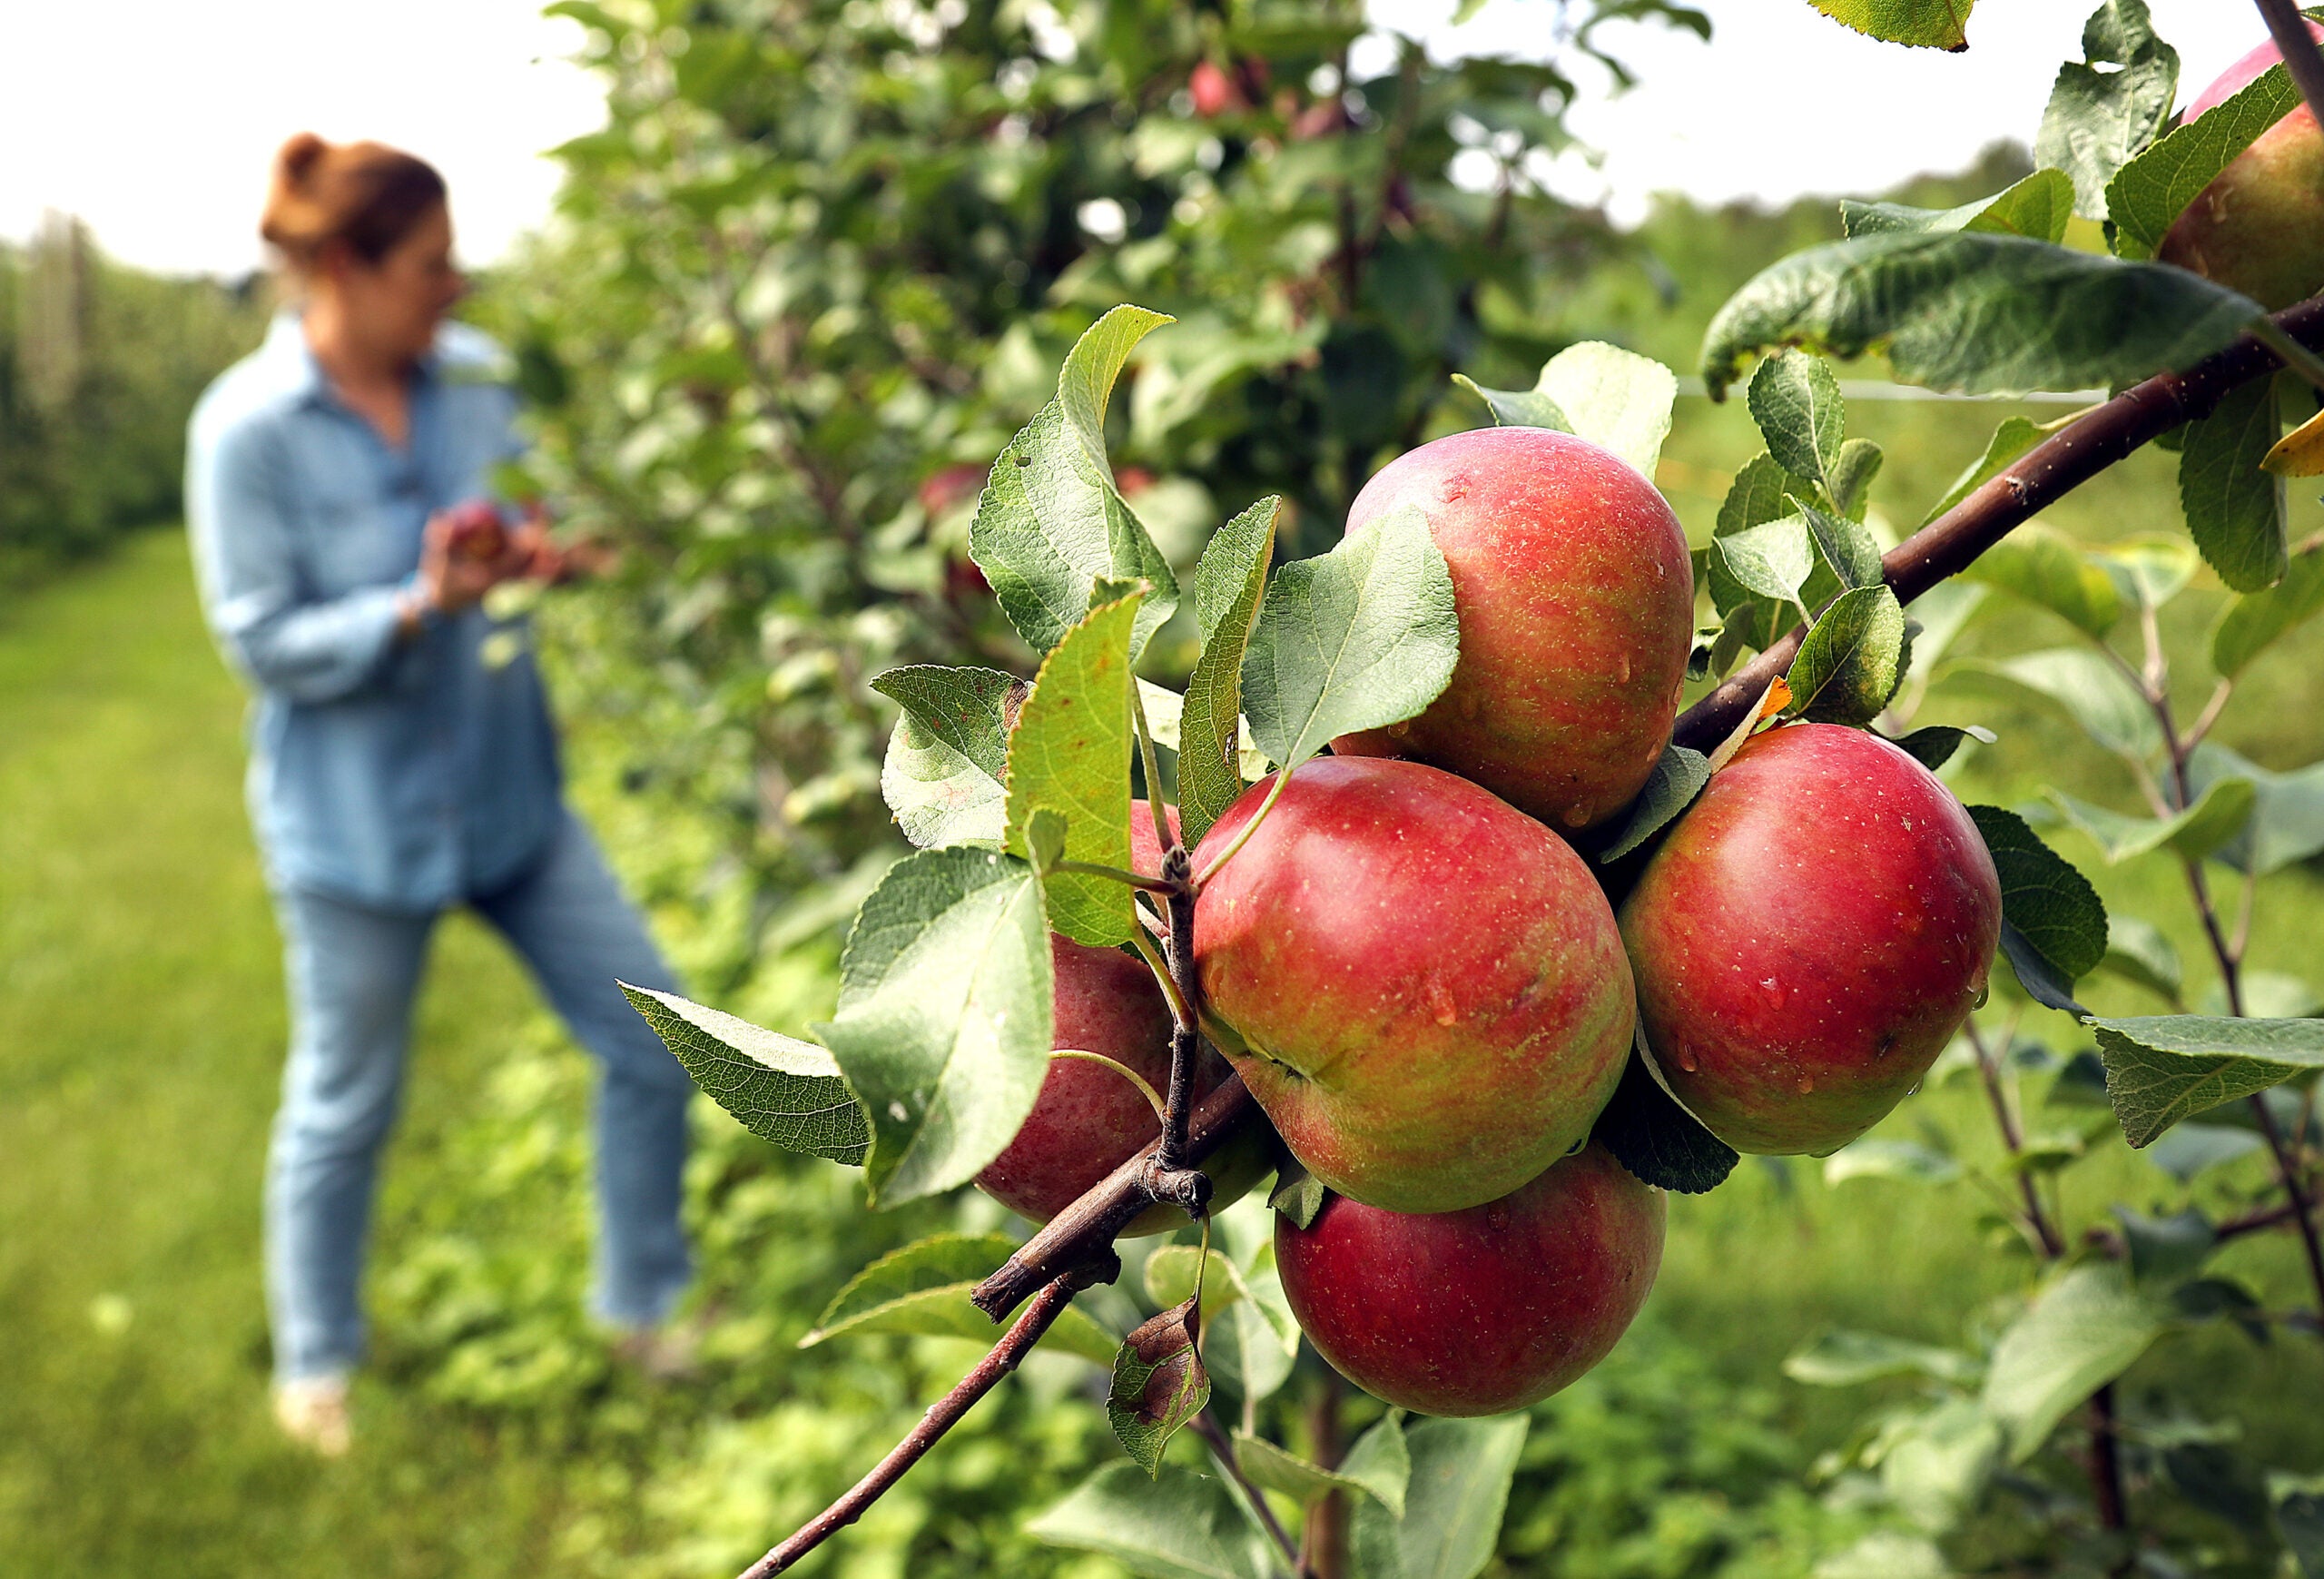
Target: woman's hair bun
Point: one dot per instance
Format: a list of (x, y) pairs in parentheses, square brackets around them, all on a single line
[(298, 156), (366, 195)]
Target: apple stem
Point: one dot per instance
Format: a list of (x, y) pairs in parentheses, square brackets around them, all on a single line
[(1146, 1087), (2068, 458), (941, 1416), (2303, 59)]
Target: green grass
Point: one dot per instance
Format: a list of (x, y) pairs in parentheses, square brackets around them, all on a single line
[(140, 983)]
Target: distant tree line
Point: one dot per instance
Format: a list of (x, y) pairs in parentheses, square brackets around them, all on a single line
[(99, 365)]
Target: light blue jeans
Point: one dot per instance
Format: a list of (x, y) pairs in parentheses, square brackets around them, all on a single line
[(352, 972)]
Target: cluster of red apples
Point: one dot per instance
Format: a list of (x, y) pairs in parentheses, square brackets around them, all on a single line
[(1418, 973)]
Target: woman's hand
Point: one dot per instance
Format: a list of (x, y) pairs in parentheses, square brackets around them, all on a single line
[(463, 553)]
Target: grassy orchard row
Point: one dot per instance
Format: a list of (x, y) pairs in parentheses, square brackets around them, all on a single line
[(1401, 949)]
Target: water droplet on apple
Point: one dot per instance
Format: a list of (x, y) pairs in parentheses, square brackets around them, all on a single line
[(1773, 989), (1622, 669), (1575, 817), (1807, 1084), (1440, 1005), (1687, 1062)]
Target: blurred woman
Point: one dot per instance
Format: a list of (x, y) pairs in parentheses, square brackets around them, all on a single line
[(337, 492)]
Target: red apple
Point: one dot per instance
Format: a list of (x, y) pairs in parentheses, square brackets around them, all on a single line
[(1423, 986), (1087, 1118), (1809, 937), (2258, 226), (1480, 1311), (1214, 93), (476, 531), (1577, 606)]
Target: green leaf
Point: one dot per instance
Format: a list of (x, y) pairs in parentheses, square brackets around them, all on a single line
[(784, 1091), (1887, 1554), (1762, 491), (2151, 569), (1516, 407), (2037, 206), (1771, 561), (2161, 1068), (2097, 120), (1616, 398), (2253, 623), (1933, 746), (1378, 1467), (1977, 313), (2287, 818), (1158, 1385), (1170, 1273), (2013, 438), (1850, 482), (1358, 638), (2137, 951), (943, 1029), (2093, 692), (1847, 554), (923, 1289), (2085, 1329), (946, 760), (2165, 1250), (2235, 511), (1877, 1157), (1453, 1502), (1921, 23), (1844, 1358), (1070, 754), (1678, 777), (2216, 817), (1228, 586), (2299, 1504), (2048, 568), (1178, 1524), (1299, 1194), (1852, 659), (2049, 903), (1051, 522), (1794, 399), (2187, 1150), (1658, 1141), (2154, 189)]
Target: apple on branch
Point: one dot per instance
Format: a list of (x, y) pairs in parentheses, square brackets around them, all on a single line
[(1576, 599), (1809, 936), (1423, 986), (1483, 1310)]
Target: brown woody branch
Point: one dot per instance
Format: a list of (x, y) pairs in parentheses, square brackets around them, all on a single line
[(2039, 478), (941, 1416)]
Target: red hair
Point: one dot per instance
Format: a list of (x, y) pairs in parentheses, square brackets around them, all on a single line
[(366, 195)]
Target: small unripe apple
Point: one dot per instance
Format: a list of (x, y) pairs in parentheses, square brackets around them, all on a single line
[(1480, 1311), (1423, 986), (476, 532), (1577, 606), (2258, 226), (1808, 938), (1086, 1119)]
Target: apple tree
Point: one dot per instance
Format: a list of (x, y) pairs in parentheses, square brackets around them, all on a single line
[(1424, 902)]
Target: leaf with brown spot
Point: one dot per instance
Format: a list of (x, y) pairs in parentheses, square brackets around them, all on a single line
[(1159, 1383)]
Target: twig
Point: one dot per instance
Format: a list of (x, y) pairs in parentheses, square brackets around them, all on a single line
[(2051, 469), (941, 1416), (2297, 47), (1088, 1227), (1222, 1447)]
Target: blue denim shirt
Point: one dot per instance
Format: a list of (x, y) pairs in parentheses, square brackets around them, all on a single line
[(403, 774)]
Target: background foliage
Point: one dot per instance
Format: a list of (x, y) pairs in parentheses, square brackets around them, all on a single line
[(99, 365)]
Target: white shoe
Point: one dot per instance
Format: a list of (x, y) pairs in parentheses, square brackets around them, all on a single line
[(312, 1413)]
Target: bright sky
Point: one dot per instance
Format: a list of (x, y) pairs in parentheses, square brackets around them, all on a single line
[(154, 120)]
